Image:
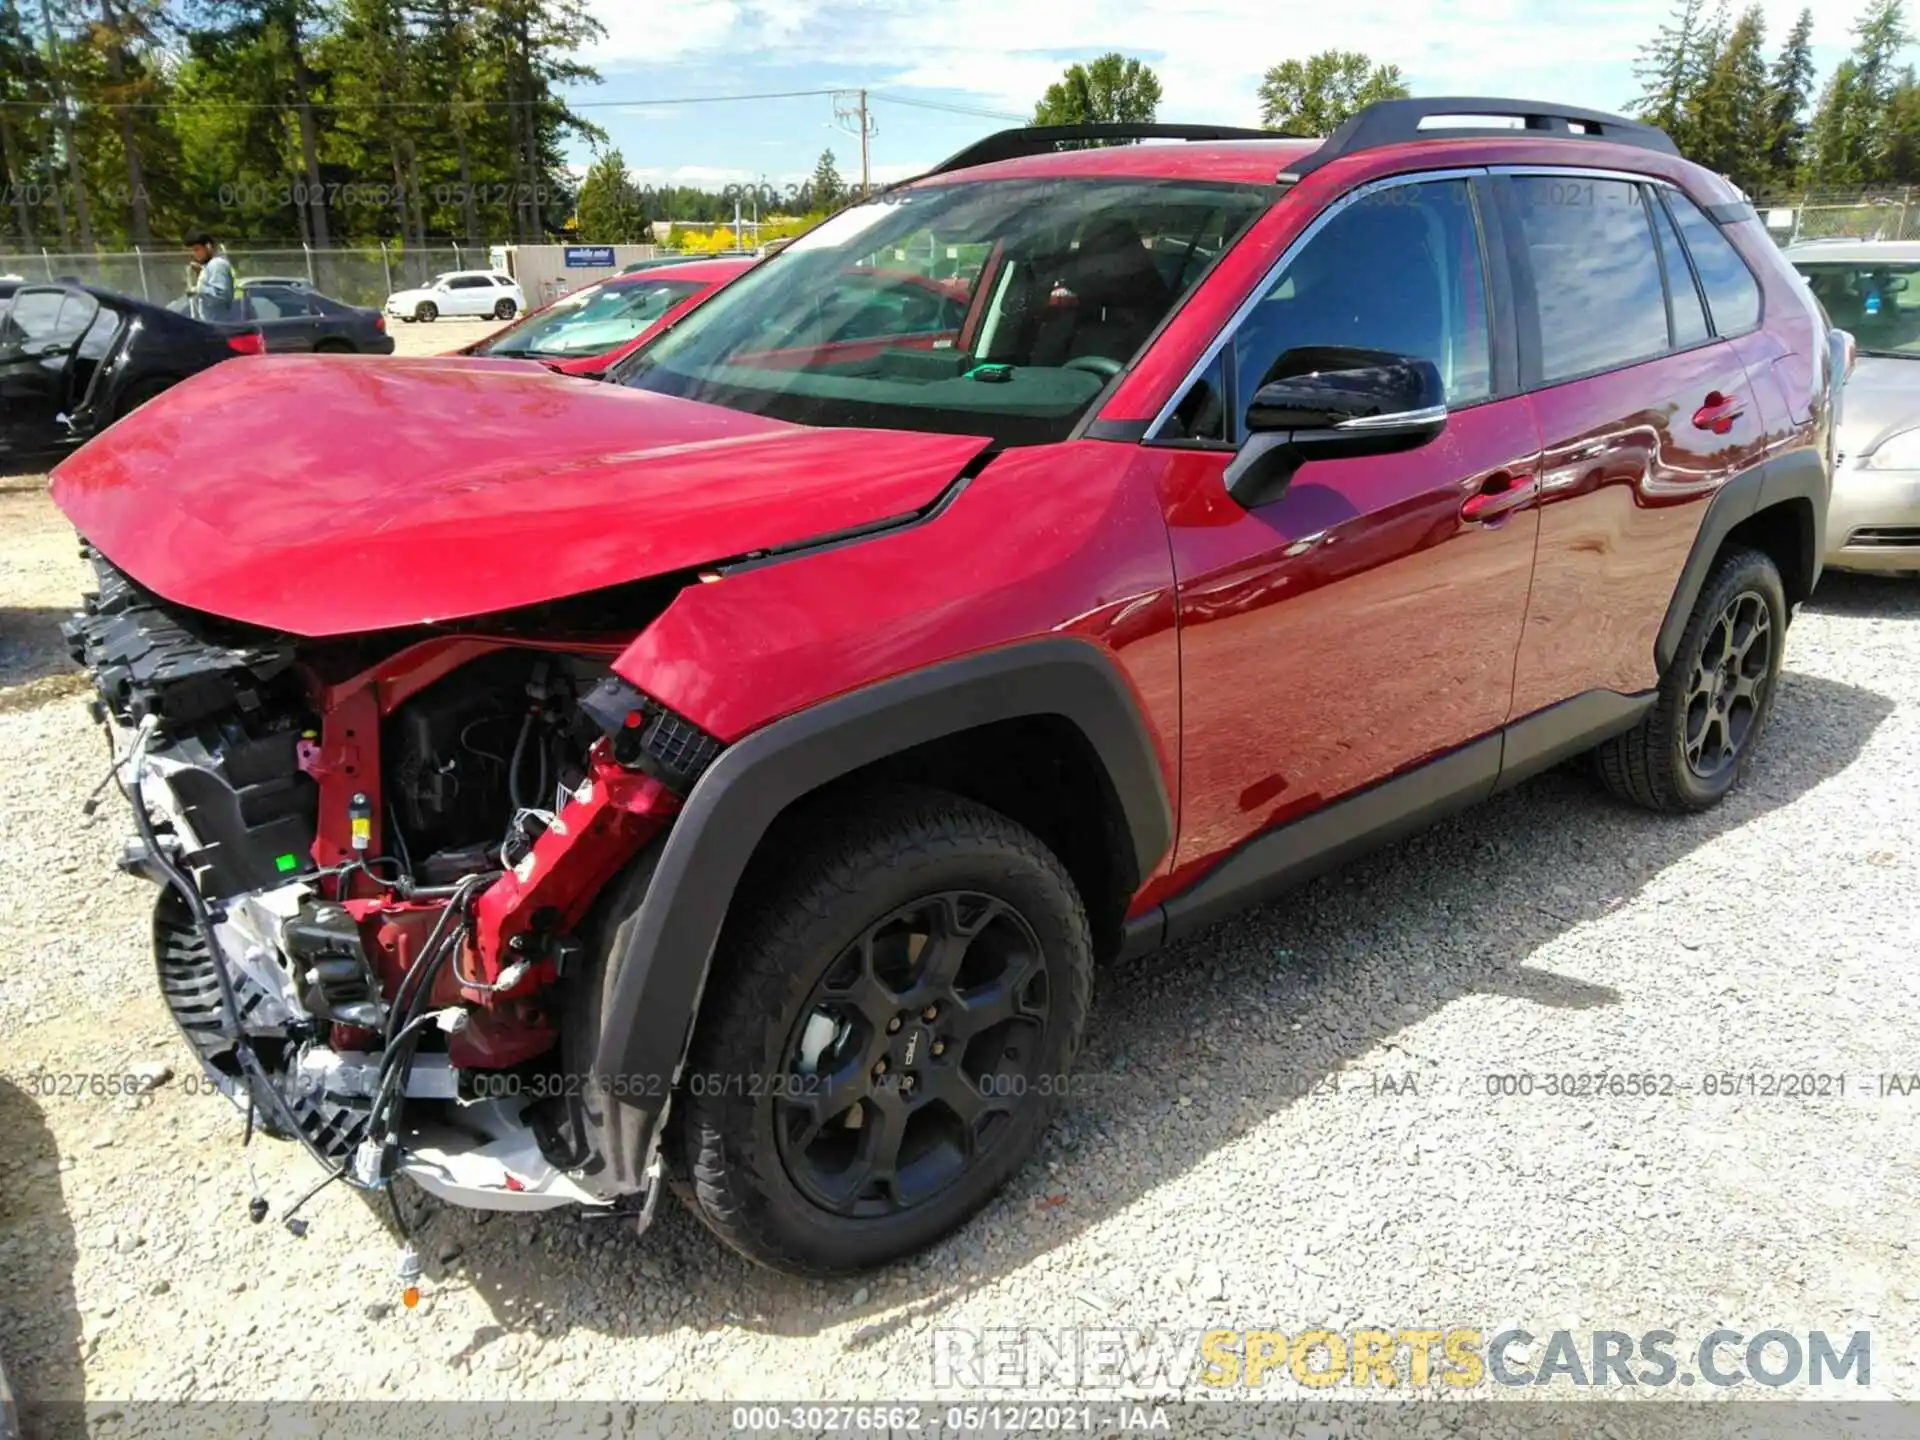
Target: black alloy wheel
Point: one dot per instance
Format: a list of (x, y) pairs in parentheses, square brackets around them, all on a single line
[(1714, 698), (887, 1030), (904, 1070), (1728, 686)]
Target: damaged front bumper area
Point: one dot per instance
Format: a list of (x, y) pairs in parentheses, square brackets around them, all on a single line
[(397, 1014)]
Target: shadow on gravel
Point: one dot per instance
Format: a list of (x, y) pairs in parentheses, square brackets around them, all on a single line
[(39, 1321), (31, 648), (1191, 1049), (1878, 597)]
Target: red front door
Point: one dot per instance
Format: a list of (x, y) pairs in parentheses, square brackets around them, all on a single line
[(1355, 627), (1369, 618)]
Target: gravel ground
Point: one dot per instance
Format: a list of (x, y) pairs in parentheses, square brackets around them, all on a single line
[(1285, 1123), (439, 337)]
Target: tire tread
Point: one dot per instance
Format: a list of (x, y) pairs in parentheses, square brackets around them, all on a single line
[(750, 987), (1639, 766)]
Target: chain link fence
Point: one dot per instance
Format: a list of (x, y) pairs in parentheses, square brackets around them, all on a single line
[(359, 275), (1881, 213)]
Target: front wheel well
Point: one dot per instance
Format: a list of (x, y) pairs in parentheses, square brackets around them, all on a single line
[(1784, 533), (1039, 771)]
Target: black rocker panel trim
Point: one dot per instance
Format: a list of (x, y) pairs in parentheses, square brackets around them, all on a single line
[(1559, 732), (1296, 852), (1796, 475), (649, 1016)]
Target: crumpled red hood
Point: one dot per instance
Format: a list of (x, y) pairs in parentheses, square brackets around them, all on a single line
[(329, 496)]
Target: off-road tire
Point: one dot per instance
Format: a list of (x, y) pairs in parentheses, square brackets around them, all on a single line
[(1648, 764), (853, 864)]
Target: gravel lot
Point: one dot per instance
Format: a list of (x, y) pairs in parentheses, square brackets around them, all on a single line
[(1286, 1122), (440, 336)]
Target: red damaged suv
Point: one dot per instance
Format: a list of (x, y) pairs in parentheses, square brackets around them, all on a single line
[(732, 773)]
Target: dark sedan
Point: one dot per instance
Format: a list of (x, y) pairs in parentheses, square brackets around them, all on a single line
[(295, 318), (73, 359)]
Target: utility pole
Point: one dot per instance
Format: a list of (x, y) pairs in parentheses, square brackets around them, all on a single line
[(854, 117)]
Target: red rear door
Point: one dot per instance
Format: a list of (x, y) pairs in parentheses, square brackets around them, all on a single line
[(1645, 413)]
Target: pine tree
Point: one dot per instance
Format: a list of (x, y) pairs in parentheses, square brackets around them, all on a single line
[(610, 210), (1719, 119), (1852, 139), (134, 160), (62, 68), (1881, 34), (1669, 67), (1837, 139), (1902, 156), (22, 148), (825, 191), (1789, 88)]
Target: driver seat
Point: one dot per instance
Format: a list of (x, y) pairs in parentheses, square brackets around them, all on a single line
[(1119, 296)]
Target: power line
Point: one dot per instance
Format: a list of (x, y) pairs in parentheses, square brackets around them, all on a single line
[(951, 109), (640, 103), (649, 103)]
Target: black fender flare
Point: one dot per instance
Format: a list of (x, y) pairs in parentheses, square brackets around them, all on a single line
[(1796, 475), (647, 1024)]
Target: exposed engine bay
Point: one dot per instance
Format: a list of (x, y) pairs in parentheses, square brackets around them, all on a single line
[(377, 859)]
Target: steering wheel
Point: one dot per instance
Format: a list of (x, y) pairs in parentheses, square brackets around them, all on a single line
[(1101, 365)]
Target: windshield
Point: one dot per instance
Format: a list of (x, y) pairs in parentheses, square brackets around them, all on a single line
[(998, 308), (1877, 302), (592, 321)]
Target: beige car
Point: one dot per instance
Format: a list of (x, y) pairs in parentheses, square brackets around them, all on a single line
[(1871, 288)]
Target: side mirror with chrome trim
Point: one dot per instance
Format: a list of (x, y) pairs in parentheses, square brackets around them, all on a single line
[(1331, 402)]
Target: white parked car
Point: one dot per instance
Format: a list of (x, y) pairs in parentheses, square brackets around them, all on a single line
[(486, 293)]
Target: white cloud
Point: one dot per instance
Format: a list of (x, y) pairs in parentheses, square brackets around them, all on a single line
[(718, 177), (1209, 54), (700, 177)]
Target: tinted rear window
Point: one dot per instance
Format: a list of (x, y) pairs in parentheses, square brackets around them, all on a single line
[(1595, 274), (1733, 296), (1689, 315)]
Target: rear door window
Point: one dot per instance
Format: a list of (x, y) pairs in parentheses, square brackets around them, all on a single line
[(1683, 294), (1733, 295), (1598, 300), (277, 304), (46, 323)]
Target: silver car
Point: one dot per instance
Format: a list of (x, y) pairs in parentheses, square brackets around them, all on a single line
[(1871, 288)]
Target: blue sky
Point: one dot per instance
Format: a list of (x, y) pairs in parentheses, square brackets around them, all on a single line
[(999, 55)]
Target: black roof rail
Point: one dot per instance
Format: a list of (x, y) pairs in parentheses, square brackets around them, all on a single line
[(1392, 122), (1045, 139)]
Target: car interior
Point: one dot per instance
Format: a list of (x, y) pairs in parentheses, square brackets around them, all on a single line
[(1876, 304), (53, 342)]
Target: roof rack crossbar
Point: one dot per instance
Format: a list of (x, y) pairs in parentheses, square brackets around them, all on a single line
[(1393, 122), (1045, 139)]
